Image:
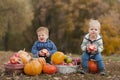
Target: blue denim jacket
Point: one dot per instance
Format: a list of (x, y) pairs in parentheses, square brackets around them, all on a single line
[(49, 45)]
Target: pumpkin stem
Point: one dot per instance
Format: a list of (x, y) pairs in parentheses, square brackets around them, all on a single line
[(24, 49)]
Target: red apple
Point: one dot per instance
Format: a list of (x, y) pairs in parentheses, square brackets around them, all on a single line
[(91, 47), (64, 63), (14, 60), (76, 61), (70, 64), (16, 55), (44, 51)]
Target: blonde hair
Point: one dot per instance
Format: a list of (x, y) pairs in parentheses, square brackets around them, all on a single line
[(45, 29), (94, 23)]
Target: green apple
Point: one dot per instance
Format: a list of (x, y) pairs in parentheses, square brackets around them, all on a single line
[(69, 60), (65, 57)]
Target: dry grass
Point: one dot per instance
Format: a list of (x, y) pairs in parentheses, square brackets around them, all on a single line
[(112, 64)]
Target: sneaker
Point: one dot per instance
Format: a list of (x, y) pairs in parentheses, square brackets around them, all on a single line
[(102, 73), (83, 72)]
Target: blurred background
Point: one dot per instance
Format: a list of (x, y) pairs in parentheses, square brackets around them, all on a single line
[(67, 21)]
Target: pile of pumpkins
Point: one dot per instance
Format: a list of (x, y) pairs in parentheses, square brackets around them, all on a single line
[(35, 66), (32, 66)]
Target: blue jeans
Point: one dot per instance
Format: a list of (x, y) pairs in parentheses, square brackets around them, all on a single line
[(97, 57)]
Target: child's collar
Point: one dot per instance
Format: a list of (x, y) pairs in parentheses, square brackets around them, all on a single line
[(87, 36)]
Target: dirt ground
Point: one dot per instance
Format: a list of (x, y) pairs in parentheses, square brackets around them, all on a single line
[(112, 64)]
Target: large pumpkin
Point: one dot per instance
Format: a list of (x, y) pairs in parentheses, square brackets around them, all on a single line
[(33, 68), (49, 69), (24, 56), (57, 57), (93, 68)]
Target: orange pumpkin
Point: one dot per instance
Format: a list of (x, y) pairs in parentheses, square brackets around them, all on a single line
[(42, 61), (57, 57), (93, 68), (24, 56), (49, 69), (33, 68)]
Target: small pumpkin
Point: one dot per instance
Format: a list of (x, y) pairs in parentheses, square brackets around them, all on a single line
[(24, 56), (33, 68), (57, 57), (49, 69), (41, 60), (93, 67)]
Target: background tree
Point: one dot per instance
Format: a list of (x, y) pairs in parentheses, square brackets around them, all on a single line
[(15, 17), (67, 21)]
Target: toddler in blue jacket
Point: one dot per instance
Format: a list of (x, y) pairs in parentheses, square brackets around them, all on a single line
[(43, 47)]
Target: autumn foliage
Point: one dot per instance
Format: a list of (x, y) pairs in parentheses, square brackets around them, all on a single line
[(66, 20)]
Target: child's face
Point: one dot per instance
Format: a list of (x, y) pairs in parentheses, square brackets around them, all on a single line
[(42, 36), (94, 30)]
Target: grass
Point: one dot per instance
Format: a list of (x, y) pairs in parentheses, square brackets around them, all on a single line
[(112, 58), (112, 64)]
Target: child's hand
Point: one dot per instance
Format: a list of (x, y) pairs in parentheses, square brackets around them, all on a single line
[(44, 52), (48, 54), (91, 48)]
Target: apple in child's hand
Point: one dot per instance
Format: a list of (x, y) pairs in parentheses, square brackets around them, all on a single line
[(44, 51), (92, 47)]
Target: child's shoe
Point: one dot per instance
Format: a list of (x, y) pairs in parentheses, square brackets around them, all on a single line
[(84, 71), (102, 73)]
